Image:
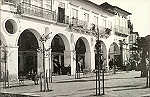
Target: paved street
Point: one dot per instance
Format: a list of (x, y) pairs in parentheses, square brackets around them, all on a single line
[(122, 84)]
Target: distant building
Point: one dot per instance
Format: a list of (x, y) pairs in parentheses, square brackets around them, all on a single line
[(71, 28)]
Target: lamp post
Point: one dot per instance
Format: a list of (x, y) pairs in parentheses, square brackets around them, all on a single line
[(100, 67)]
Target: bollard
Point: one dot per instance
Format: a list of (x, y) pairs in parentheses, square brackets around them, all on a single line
[(149, 78), (103, 81), (96, 82), (47, 81), (41, 82), (8, 78)]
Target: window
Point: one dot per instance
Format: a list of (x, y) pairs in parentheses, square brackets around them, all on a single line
[(37, 2), (61, 13), (74, 16), (74, 13), (104, 23), (11, 26), (61, 5), (27, 1), (48, 4), (130, 38), (95, 20), (86, 17), (117, 21)]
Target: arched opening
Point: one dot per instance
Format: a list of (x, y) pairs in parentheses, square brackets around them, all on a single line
[(80, 55), (59, 45), (114, 56), (103, 56), (27, 53)]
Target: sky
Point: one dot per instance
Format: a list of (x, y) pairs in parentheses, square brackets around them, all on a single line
[(140, 10)]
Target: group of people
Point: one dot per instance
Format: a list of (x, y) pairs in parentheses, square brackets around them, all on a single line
[(112, 63)]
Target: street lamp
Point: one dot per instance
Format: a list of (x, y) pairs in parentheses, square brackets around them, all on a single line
[(100, 67)]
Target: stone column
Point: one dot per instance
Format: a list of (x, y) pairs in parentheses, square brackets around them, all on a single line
[(52, 66), (70, 59), (107, 59), (39, 62), (12, 62), (88, 59), (92, 60), (67, 58)]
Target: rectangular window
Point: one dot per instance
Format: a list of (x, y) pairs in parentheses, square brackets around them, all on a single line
[(37, 2), (27, 1), (74, 16), (74, 13), (130, 38), (86, 17), (96, 20), (104, 24), (48, 4)]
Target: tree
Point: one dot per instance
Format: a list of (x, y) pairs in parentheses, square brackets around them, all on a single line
[(143, 48)]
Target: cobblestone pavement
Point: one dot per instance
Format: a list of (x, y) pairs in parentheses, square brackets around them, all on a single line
[(122, 84)]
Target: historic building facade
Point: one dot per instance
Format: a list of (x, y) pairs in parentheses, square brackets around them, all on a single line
[(67, 29)]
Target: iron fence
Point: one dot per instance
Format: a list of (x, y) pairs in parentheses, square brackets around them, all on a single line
[(9, 2), (121, 29), (33, 10)]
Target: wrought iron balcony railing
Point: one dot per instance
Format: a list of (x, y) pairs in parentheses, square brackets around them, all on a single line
[(78, 23), (32, 10), (63, 19), (14, 2), (121, 31), (79, 26), (83, 27), (104, 32)]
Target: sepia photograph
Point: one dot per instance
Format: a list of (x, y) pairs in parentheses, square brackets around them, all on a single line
[(74, 48)]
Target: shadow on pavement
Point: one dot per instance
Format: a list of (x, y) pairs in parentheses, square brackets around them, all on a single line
[(14, 95), (81, 80), (123, 86), (132, 88)]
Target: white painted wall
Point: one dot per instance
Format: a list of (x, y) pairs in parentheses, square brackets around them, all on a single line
[(38, 28)]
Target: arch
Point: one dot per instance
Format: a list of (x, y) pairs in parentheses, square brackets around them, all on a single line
[(65, 40), (28, 57), (114, 49), (114, 57), (60, 54), (83, 54), (86, 42), (35, 32)]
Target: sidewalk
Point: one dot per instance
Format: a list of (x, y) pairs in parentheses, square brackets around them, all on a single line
[(122, 84)]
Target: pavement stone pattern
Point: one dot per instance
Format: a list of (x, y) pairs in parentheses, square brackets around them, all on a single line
[(122, 84)]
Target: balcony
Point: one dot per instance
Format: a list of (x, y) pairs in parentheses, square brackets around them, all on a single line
[(75, 25), (105, 32), (63, 19), (82, 27), (33, 11), (121, 31), (10, 2)]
